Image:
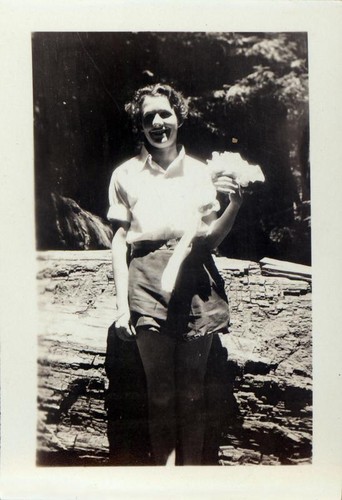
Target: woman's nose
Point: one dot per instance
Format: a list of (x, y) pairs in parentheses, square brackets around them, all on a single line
[(157, 120)]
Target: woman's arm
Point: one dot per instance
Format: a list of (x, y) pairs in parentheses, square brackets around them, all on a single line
[(120, 271), (222, 226)]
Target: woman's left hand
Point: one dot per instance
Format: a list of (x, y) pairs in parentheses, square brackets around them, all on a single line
[(227, 185)]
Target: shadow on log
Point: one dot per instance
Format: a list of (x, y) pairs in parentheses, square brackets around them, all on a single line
[(127, 407), (222, 410), (126, 403)]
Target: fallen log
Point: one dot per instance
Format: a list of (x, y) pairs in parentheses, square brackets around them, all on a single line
[(273, 267), (92, 394)]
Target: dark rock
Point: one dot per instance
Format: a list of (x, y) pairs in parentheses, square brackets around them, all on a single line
[(73, 228)]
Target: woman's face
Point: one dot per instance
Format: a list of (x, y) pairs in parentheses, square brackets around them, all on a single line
[(159, 121)]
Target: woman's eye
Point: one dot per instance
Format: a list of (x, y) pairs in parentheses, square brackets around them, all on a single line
[(147, 119), (151, 117)]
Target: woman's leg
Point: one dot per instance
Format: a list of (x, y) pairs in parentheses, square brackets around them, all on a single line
[(157, 354), (191, 364)]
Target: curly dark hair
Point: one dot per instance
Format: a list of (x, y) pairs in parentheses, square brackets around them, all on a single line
[(175, 98)]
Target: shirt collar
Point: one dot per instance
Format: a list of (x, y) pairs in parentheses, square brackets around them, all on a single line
[(175, 167)]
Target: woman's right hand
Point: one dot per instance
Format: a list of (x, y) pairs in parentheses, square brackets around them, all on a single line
[(124, 328)]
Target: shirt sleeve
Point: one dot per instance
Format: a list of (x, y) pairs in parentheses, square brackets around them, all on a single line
[(209, 201), (118, 200)]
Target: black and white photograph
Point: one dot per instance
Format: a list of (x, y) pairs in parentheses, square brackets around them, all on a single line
[(170, 250), (172, 179)]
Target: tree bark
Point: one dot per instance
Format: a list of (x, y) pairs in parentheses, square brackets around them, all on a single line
[(92, 408)]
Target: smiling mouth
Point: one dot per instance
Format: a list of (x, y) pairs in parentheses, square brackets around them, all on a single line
[(160, 135)]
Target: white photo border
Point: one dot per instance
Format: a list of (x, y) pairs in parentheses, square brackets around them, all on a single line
[(20, 478)]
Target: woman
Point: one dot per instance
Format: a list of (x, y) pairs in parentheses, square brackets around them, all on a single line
[(152, 199)]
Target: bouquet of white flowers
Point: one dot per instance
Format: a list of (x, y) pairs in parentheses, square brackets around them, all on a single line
[(234, 166)]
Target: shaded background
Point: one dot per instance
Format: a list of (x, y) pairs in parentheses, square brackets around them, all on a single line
[(247, 92)]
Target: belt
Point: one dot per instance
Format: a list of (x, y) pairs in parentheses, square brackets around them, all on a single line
[(140, 248)]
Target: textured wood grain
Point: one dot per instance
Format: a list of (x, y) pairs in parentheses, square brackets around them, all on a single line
[(258, 388)]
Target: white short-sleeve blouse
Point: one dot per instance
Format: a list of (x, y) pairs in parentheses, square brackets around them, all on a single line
[(159, 203)]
